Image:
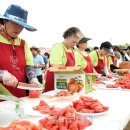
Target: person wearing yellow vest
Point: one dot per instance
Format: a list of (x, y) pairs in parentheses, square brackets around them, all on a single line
[(15, 55), (62, 54), (108, 61), (83, 57), (97, 58)]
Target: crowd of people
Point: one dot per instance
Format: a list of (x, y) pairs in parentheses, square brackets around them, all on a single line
[(19, 63)]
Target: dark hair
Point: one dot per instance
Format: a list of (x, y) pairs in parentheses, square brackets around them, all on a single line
[(87, 49), (128, 48), (95, 48), (35, 48), (121, 51), (71, 32), (116, 48), (106, 45), (47, 54), (2, 21)]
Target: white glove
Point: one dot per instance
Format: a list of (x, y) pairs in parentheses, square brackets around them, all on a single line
[(106, 71), (36, 82), (8, 79)]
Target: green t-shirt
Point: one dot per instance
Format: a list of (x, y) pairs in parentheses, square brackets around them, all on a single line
[(110, 60), (17, 41), (57, 54), (80, 59), (94, 58)]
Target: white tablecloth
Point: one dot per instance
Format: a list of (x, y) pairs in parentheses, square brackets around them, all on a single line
[(116, 118)]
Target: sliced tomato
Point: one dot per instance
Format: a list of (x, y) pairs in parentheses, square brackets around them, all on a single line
[(55, 128), (73, 126), (42, 103), (43, 109), (43, 121), (105, 108), (22, 125), (87, 111), (82, 126), (34, 94), (80, 86), (3, 128), (63, 128), (55, 112), (48, 125), (75, 103), (88, 123), (109, 76), (35, 108), (63, 112)]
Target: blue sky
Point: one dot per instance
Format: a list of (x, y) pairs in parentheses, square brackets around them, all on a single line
[(100, 20)]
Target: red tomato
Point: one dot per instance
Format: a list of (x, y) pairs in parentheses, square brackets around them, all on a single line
[(3, 128), (109, 76), (75, 103), (72, 87), (63, 112), (98, 109), (73, 126), (63, 128), (88, 105), (43, 109), (88, 123), (87, 111), (55, 128), (35, 108), (79, 87), (55, 112), (34, 93), (105, 108), (22, 125), (43, 103), (82, 126), (48, 125), (43, 121)]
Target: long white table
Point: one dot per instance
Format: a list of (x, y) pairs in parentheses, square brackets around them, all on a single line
[(119, 109), (115, 119)]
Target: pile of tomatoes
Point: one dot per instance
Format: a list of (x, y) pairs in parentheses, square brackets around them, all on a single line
[(64, 119), (87, 104), (43, 107), (21, 125), (58, 119), (123, 82)]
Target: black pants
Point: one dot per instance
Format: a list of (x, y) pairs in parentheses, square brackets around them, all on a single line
[(40, 78)]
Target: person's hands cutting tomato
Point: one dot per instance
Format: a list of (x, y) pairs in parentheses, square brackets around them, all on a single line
[(8, 79)]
